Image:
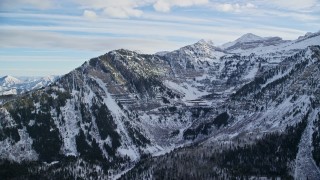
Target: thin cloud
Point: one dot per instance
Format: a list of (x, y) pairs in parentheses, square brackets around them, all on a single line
[(293, 15), (37, 58), (33, 71), (294, 4), (227, 7), (17, 4), (115, 9), (51, 40), (268, 10), (122, 12), (148, 37), (90, 14), (166, 5)]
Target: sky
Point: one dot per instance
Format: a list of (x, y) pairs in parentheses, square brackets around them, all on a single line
[(52, 37)]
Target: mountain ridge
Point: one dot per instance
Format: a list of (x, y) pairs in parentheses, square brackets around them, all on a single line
[(9, 80), (23, 84), (122, 107)]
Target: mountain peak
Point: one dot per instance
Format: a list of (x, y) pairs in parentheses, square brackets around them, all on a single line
[(249, 37), (206, 42), (49, 78), (9, 80), (7, 76), (309, 35)]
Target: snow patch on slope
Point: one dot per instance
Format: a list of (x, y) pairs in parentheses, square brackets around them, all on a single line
[(19, 151), (16, 151), (70, 128), (190, 92), (127, 148), (306, 167), (252, 73)]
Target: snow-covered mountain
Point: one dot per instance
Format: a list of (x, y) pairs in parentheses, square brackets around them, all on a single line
[(10, 85), (9, 81), (118, 114), (250, 41), (246, 38)]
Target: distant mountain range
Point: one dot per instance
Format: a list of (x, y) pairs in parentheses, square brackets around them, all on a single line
[(10, 85), (249, 109), (250, 41)]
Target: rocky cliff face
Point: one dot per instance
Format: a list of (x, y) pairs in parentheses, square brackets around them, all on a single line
[(103, 118)]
